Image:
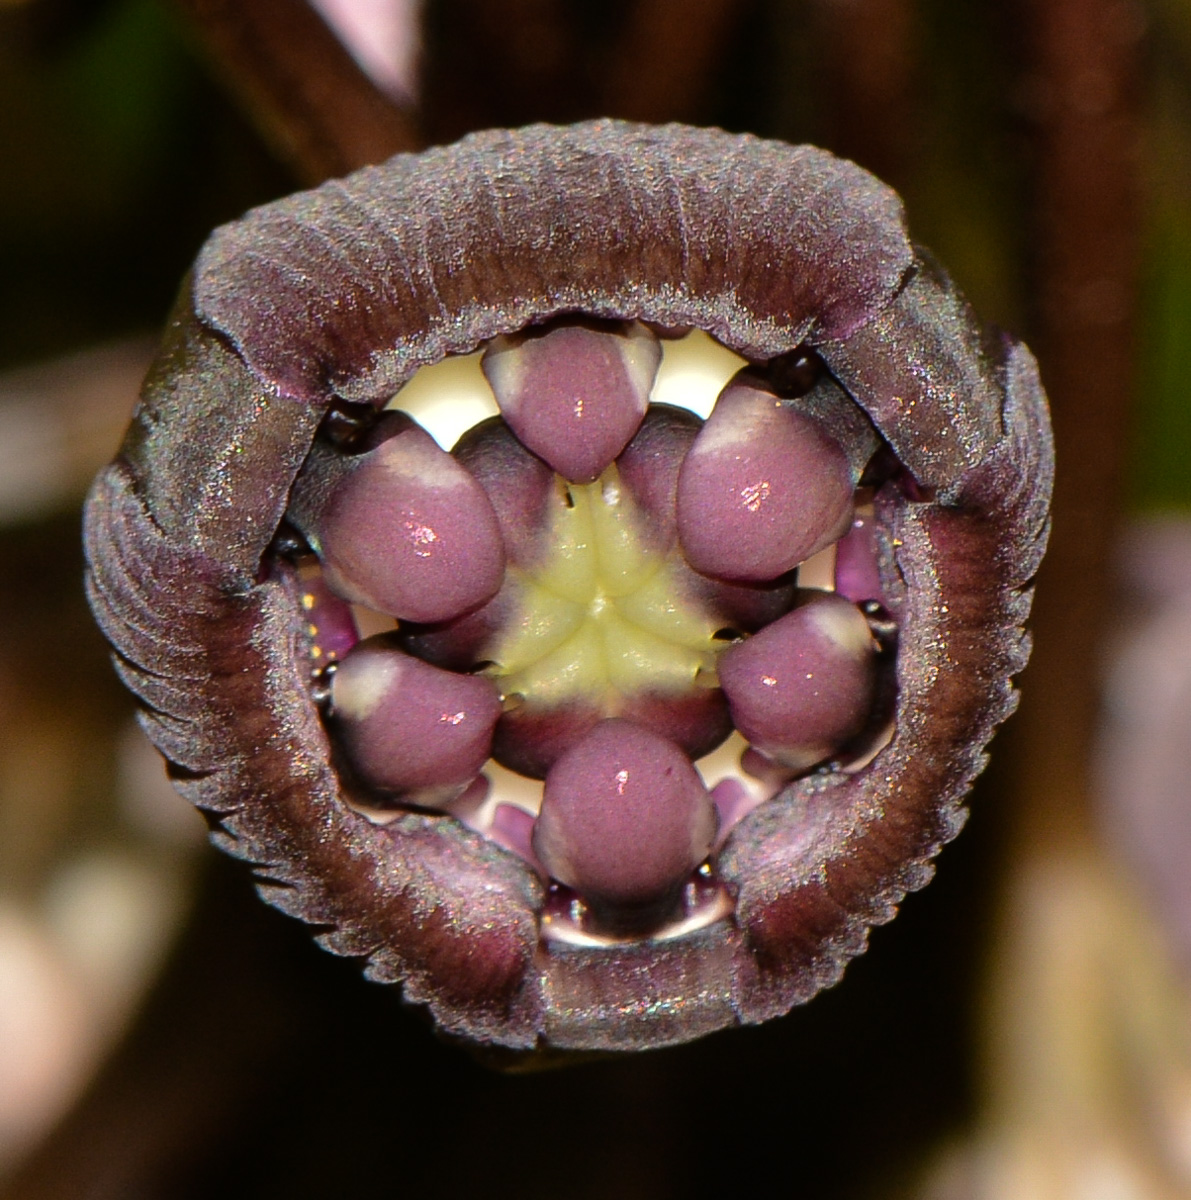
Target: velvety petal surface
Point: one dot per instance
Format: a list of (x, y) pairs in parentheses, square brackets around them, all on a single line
[(343, 292)]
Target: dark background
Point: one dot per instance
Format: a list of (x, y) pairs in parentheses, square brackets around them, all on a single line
[(261, 1066)]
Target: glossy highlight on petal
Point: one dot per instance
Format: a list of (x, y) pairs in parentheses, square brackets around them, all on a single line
[(802, 687), (335, 297), (625, 817), (572, 394), (411, 729), (762, 489), (400, 528)]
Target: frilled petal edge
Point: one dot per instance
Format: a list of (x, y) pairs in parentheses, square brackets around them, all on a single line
[(345, 291)]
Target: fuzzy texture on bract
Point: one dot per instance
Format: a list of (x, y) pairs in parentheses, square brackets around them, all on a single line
[(345, 291)]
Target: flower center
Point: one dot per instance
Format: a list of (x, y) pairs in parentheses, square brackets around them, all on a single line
[(602, 617), (595, 590)]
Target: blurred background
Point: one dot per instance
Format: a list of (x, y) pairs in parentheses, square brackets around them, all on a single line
[(1023, 1030)]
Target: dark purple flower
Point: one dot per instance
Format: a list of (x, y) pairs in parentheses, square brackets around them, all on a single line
[(874, 407)]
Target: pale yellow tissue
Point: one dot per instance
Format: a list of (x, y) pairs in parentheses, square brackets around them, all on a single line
[(447, 398)]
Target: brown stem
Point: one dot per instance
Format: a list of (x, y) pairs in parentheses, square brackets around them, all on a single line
[(311, 100), (503, 62), (509, 62), (664, 57), (1085, 90), (868, 68)]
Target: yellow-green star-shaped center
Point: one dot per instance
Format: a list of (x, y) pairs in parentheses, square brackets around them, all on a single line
[(602, 615)]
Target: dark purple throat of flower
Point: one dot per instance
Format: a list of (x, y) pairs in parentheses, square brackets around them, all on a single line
[(597, 707)]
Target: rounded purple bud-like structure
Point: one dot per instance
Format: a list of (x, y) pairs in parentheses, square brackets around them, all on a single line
[(410, 729), (530, 738), (625, 818), (518, 484), (858, 561), (574, 394), (763, 487), (803, 687), (649, 466), (401, 528)]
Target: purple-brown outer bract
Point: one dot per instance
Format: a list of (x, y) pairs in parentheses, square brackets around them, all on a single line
[(345, 291)]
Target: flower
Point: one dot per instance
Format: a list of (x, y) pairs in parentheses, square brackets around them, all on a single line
[(332, 299)]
